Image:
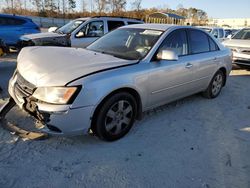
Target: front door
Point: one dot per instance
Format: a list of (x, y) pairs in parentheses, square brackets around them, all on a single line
[(87, 34), (171, 80)]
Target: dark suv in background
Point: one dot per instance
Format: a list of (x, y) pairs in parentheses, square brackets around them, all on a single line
[(13, 27)]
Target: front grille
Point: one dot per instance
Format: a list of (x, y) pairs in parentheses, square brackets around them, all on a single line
[(23, 87)]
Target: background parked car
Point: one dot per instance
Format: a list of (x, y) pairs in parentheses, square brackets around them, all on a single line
[(240, 46), (3, 48), (13, 27), (78, 33), (217, 32), (230, 32)]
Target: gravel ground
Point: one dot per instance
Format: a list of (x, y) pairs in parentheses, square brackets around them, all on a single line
[(194, 142)]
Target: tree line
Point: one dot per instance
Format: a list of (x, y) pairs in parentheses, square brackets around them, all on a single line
[(70, 9)]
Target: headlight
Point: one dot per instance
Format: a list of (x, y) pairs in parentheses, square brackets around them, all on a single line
[(56, 95)]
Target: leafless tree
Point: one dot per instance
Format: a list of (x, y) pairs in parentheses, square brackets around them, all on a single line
[(136, 5), (101, 5), (117, 5)]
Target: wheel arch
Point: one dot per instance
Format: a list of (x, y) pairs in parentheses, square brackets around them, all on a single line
[(224, 70), (129, 90)]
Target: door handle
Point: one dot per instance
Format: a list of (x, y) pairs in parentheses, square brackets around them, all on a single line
[(189, 65)]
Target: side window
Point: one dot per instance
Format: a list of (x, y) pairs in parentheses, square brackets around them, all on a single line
[(213, 45), (114, 24), (92, 29), (198, 41), (130, 23), (14, 21), (177, 42), (2, 21), (221, 33)]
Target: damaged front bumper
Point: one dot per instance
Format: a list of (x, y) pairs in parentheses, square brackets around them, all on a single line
[(50, 118), (15, 129)]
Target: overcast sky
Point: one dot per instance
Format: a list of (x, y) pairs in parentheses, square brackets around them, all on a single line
[(214, 8)]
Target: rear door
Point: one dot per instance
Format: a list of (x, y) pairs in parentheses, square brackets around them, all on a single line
[(204, 56)]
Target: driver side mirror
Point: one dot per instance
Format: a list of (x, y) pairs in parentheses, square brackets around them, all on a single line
[(167, 55), (216, 36)]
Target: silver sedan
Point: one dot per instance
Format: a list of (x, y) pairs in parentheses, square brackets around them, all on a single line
[(106, 87)]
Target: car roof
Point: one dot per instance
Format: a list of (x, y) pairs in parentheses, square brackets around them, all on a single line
[(160, 27), (208, 27), (110, 18), (14, 16)]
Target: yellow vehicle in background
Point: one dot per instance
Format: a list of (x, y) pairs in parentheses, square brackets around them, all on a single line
[(1, 51), (3, 48)]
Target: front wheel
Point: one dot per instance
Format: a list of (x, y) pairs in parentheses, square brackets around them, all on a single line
[(215, 85), (115, 117)]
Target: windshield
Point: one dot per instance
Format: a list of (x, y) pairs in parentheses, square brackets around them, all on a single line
[(127, 43), (69, 27), (244, 34)]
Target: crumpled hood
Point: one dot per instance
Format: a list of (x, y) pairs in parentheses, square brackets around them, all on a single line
[(56, 66), (237, 43), (42, 35)]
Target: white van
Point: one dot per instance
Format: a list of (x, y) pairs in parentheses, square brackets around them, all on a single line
[(77, 33)]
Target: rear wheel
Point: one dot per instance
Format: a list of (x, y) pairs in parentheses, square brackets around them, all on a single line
[(215, 85), (115, 117)]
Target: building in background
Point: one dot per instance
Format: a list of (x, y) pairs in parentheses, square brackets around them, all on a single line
[(165, 18), (230, 22)]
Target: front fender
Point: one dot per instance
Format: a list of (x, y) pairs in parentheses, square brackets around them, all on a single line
[(96, 87)]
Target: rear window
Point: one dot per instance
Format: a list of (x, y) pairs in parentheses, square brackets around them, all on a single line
[(198, 42), (115, 24)]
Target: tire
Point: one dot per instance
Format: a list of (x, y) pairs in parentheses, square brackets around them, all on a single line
[(215, 85), (115, 117)]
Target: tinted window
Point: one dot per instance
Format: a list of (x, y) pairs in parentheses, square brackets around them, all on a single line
[(213, 45), (198, 41), (11, 21), (177, 42), (114, 24), (130, 23), (2, 21), (221, 33)]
